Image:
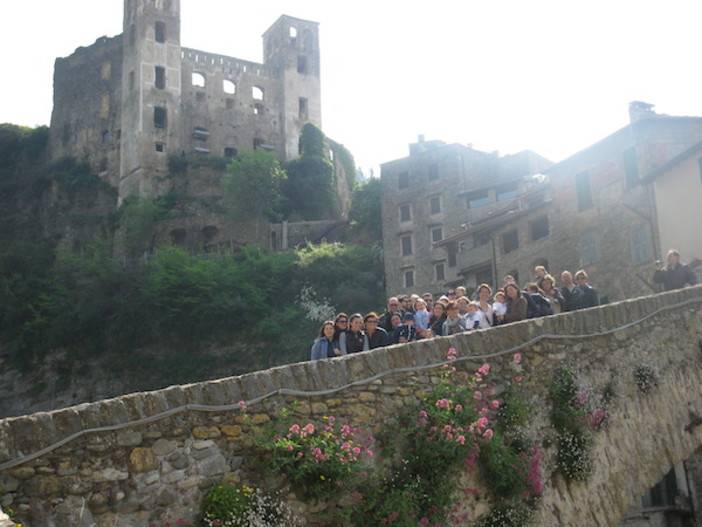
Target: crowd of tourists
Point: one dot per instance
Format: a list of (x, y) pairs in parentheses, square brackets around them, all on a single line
[(412, 317)]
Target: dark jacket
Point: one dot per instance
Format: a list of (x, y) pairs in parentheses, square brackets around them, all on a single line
[(385, 320), (351, 342), (675, 277), (437, 325), (516, 310), (379, 339), (584, 296), (567, 295)]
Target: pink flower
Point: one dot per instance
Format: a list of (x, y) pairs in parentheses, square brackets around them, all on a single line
[(356, 450), (295, 428), (443, 403), (488, 433), (518, 378), (242, 405), (482, 422), (517, 358), (309, 428), (289, 448), (495, 404), (422, 413), (461, 440), (458, 407), (484, 369)]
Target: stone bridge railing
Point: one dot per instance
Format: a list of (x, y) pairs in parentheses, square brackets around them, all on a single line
[(149, 457)]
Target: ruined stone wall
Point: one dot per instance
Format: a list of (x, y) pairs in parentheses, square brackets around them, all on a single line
[(95, 471)]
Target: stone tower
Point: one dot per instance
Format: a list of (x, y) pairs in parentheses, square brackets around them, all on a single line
[(291, 48), (151, 93)]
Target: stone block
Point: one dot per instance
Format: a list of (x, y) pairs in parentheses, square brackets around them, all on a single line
[(129, 438), (163, 447), (231, 430), (142, 459), (206, 432)]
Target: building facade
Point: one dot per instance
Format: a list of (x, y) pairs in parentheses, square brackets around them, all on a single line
[(596, 210), (432, 195), (127, 104)]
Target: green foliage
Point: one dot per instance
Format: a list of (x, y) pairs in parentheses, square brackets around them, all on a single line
[(310, 190), (21, 144), (229, 506), (366, 210), (254, 185), (323, 458), (138, 220), (344, 158), (569, 418), (646, 377)]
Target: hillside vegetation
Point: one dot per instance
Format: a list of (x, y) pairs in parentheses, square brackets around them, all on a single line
[(176, 317)]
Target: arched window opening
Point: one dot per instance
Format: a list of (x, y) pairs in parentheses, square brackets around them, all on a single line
[(198, 80)]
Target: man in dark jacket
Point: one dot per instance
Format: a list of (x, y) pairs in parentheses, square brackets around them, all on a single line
[(675, 275), (393, 308), (584, 295)]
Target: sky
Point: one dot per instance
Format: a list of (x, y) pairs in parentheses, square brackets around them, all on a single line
[(551, 76)]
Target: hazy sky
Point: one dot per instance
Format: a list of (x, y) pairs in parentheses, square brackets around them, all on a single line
[(549, 76)]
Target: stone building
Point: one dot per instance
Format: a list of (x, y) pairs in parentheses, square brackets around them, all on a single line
[(594, 210), (435, 193), (126, 104)]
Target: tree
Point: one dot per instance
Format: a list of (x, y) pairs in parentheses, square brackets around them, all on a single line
[(366, 211), (310, 187), (254, 185)]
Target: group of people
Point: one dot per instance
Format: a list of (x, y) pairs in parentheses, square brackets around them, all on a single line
[(413, 317)]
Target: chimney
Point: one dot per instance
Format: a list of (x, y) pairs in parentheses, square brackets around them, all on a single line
[(639, 110)]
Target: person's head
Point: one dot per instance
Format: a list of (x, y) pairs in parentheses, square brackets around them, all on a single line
[(581, 277), (356, 322), (341, 322), (484, 291), (370, 321), (540, 271), (393, 304), (452, 309), (548, 283), (463, 305), (512, 291), (673, 257), (428, 299), (327, 329), (567, 277), (395, 320), (413, 299), (508, 279), (408, 319), (439, 309), (443, 299), (532, 288), (451, 294), (461, 291), (473, 308), (500, 297), (420, 305), (404, 302)]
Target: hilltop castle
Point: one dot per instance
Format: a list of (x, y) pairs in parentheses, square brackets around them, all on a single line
[(126, 104)]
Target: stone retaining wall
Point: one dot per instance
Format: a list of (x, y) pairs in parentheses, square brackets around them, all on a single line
[(157, 469)]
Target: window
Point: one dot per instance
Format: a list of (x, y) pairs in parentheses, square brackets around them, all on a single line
[(477, 199), (228, 87), (105, 105), (106, 138), (508, 191), (409, 278), (437, 234), (106, 70), (403, 180), (258, 109), (631, 167), (539, 228), (230, 104), (303, 109), (160, 117), (131, 80), (198, 80), (435, 204), (641, 244), (481, 239), (302, 64), (160, 147), (160, 32), (664, 493), (583, 190), (588, 248), (406, 245), (510, 241), (433, 172), (452, 251), (159, 77), (201, 133), (293, 33), (257, 93), (440, 272), (230, 151), (405, 213)]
